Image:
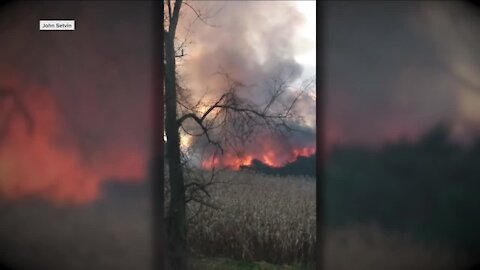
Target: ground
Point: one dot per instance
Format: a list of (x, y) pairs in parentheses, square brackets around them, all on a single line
[(114, 233)]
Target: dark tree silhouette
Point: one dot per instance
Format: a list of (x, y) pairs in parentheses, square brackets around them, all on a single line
[(426, 188), (228, 121)]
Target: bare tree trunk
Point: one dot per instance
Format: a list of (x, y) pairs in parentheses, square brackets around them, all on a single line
[(176, 225), (157, 155)]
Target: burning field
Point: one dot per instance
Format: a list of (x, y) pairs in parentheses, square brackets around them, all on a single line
[(43, 156), (266, 153), (70, 117), (75, 133), (67, 118)]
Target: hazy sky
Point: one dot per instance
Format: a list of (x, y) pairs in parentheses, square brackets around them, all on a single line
[(276, 37), (391, 69), (255, 42), (396, 68), (89, 89)]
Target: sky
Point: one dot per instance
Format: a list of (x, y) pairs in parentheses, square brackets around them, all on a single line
[(254, 50), (89, 89), (396, 69), (391, 70), (306, 53)]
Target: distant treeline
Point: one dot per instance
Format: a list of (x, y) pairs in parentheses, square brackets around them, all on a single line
[(302, 166), (430, 188)]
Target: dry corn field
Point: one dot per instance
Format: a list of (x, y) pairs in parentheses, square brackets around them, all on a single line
[(267, 218), (260, 218), (263, 218)]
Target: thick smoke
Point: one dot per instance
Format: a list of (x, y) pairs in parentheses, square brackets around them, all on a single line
[(88, 93), (393, 68), (255, 44), (252, 45), (454, 28), (88, 89)]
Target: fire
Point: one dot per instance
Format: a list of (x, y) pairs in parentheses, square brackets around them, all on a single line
[(275, 157), (50, 164), (302, 152), (241, 161), (269, 159), (211, 162), (227, 160)]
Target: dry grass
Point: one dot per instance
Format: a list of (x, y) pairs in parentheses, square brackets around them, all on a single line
[(272, 219), (261, 218), (369, 247), (104, 236)]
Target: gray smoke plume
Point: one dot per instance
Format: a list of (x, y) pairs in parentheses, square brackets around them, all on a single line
[(393, 69), (254, 43)]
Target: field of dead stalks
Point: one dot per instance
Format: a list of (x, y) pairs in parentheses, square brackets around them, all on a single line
[(259, 218), (264, 222), (272, 219)]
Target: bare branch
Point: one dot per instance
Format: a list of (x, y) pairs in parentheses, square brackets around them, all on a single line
[(182, 54), (204, 128), (175, 16), (169, 10), (199, 15)]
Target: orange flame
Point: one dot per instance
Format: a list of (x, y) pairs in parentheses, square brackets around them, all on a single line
[(272, 158), (227, 160), (50, 164)]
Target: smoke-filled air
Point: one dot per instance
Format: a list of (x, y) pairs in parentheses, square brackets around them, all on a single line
[(87, 92)]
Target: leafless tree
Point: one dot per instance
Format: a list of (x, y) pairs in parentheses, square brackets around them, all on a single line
[(225, 121)]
